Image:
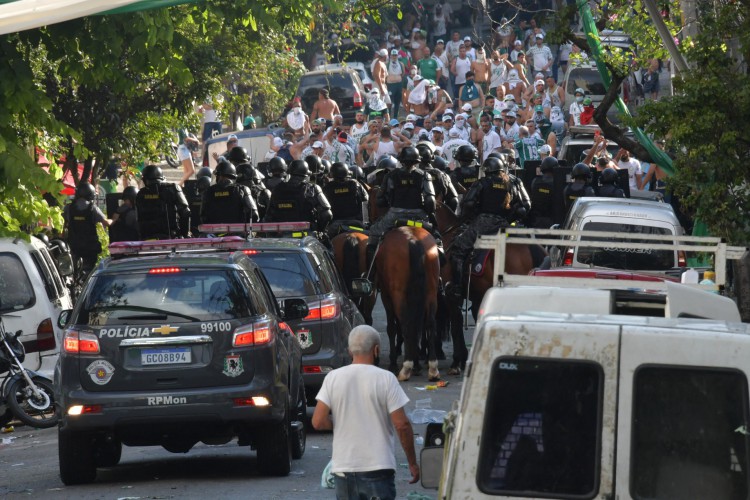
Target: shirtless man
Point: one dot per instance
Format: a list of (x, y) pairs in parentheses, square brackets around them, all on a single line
[(325, 107), (480, 67), (416, 101), (439, 100), (380, 72)]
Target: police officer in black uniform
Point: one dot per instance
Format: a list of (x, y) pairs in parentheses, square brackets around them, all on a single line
[(159, 204), (277, 168), (125, 219), (521, 199), (250, 177), (385, 164), (81, 217), (226, 201), (467, 172), (317, 170), (490, 202), (441, 182), (194, 194), (409, 193), (299, 200), (346, 196), (542, 202), (608, 187), (441, 164), (578, 188)]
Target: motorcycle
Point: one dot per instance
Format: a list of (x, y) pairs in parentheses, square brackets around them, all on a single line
[(24, 394)]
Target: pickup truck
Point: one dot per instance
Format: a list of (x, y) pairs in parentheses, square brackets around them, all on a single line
[(580, 391)]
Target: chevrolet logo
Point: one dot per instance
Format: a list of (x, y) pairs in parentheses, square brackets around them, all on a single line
[(165, 329)]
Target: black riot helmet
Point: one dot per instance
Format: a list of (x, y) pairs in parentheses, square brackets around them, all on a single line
[(492, 165), (86, 191), (225, 169), (326, 166), (238, 155), (203, 183), (299, 168), (580, 170), (440, 163), (609, 176), (387, 162), (340, 171), (277, 165), (548, 164), (409, 156), (466, 154), (152, 174), (426, 153), (129, 193), (314, 164), (245, 171), (204, 172)]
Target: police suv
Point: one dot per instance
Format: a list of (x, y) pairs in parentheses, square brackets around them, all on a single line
[(175, 342)]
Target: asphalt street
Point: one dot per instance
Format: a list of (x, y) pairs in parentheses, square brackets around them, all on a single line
[(29, 463)]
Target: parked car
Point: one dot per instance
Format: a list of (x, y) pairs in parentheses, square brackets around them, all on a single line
[(356, 66), (344, 86), (32, 295), (176, 342), (301, 268)]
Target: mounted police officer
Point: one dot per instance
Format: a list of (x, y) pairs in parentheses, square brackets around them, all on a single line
[(277, 168), (159, 204), (467, 172), (81, 218), (125, 219), (542, 203), (194, 195), (441, 182), (578, 188), (385, 164), (346, 196), (299, 200), (226, 201), (409, 193), (608, 181), (490, 201)]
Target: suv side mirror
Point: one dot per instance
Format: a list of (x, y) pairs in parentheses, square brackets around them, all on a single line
[(62, 320), (361, 287), (295, 309), (431, 466)]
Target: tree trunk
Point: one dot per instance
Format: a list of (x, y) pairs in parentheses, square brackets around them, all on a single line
[(741, 271)]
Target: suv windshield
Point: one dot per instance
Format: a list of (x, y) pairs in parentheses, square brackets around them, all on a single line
[(287, 274), (636, 259), (588, 79), (182, 297)]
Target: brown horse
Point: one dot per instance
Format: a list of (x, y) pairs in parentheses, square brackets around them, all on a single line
[(519, 259), (408, 271), (349, 251)]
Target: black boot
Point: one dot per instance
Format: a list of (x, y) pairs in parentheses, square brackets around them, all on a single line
[(455, 287), (441, 253)]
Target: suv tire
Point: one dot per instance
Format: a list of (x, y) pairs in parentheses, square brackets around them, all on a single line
[(107, 454), (275, 448), (298, 427), (77, 462)]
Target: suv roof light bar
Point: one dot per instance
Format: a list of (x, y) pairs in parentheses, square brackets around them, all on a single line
[(187, 244), (258, 227)]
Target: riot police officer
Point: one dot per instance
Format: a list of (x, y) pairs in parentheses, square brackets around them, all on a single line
[(542, 202), (441, 182), (250, 177), (467, 172), (299, 200), (194, 194), (385, 164), (490, 202), (125, 219), (608, 187), (578, 188), (317, 170), (521, 200), (227, 201), (409, 193), (163, 210), (346, 196), (441, 164), (277, 168), (81, 217)]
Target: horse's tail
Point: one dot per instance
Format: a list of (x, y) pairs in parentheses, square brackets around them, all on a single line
[(416, 297), (350, 261)]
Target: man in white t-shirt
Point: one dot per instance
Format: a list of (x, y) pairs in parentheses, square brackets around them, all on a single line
[(364, 406), (490, 140), (626, 162)]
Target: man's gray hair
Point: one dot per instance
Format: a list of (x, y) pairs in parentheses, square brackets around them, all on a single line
[(362, 339)]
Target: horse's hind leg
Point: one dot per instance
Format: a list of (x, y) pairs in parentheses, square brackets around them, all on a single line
[(433, 340)]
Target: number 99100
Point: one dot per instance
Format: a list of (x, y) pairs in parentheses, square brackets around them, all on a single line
[(216, 326)]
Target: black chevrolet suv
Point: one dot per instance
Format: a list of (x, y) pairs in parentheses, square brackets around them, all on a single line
[(174, 346)]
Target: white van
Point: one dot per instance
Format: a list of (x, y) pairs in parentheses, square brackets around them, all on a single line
[(32, 295)]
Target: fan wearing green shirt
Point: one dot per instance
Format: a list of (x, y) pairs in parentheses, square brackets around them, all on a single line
[(527, 145), (428, 67)]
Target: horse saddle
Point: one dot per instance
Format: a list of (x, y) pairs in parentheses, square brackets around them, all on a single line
[(479, 261), (353, 227), (413, 223)]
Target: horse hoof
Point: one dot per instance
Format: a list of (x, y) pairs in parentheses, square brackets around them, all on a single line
[(454, 371), (432, 373), (406, 371)]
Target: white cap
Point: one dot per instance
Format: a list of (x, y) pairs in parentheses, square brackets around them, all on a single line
[(382, 53), (539, 82), (454, 132), (277, 142), (466, 107), (411, 118), (467, 38), (539, 35), (511, 114), (448, 111), (509, 97), (408, 126), (317, 144), (438, 129), (518, 42), (545, 150)]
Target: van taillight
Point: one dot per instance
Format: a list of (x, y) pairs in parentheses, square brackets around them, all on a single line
[(75, 342), (568, 259), (357, 99), (681, 260), (45, 336)]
